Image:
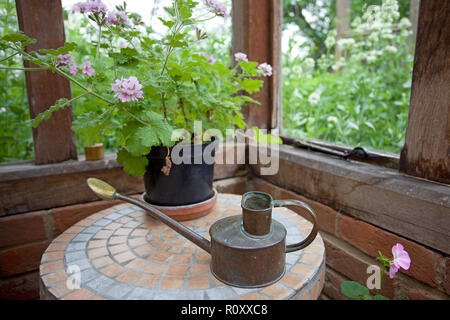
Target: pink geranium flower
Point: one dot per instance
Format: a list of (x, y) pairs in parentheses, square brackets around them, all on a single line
[(401, 260), (265, 69), (127, 90), (64, 59), (87, 68), (117, 18), (73, 69), (240, 57), (92, 6), (218, 8)]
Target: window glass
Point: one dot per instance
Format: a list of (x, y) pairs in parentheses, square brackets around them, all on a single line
[(353, 86)]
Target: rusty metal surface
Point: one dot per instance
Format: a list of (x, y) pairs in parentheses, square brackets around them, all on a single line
[(257, 213), (243, 261), (248, 254)]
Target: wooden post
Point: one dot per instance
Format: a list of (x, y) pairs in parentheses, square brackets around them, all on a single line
[(54, 140), (343, 8), (257, 33), (426, 150), (414, 18)]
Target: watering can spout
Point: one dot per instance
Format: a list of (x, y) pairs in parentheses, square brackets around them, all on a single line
[(109, 193)]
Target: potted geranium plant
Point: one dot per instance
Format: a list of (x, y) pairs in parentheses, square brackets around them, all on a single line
[(148, 86)]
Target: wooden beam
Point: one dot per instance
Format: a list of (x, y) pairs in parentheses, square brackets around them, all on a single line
[(343, 17), (426, 152), (257, 32), (414, 18), (54, 140)]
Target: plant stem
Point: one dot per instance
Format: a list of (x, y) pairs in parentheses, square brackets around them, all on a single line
[(25, 69), (14, 54), (98, 42), (134, 117)]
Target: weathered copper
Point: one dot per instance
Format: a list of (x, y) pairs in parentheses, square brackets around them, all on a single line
[(247, 251)]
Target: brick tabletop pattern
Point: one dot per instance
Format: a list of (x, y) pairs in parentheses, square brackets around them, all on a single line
[(122, 253)]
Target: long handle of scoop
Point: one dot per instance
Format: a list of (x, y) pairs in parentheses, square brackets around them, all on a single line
[(176, 226), (109, 193)]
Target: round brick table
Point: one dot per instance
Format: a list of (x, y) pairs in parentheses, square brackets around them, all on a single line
[(123, 253)]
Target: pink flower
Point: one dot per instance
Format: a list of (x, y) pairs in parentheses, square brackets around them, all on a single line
[(91, 6), (111, 18), (73, 69), (217, 7), (127, 90), (97, 6), (240, 57), (265, 69), (117, 18), (87, 68), (80, 7), (63, 60), (211, 59), (401, 260)]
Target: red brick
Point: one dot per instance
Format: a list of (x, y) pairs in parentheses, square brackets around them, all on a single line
[(332, 287), (418, 294), (24, 287), (354, 268), (370, 239), (447, 276), (22, 228), (65, 217), (21, 259)]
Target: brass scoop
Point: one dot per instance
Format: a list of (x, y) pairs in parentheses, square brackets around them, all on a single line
[(109, 193), (248, 250)]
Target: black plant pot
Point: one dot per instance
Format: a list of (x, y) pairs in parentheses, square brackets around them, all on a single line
[(187, 183)]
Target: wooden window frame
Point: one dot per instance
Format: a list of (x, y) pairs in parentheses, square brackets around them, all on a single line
[(415, 208)]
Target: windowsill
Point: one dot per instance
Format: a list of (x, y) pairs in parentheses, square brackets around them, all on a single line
[(26, 187), (27, 169), (415, 208)]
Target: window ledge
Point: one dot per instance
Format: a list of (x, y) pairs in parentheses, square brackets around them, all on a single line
[(26, 187), (415, 208)]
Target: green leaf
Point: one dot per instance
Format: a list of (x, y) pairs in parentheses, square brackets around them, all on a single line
[(148, 136), (135, 166), (167, 23), (68, 46), (16, 37), (353, 289), (59, 104), (161, 128), (251, 85), (262, 138), (380, 297)]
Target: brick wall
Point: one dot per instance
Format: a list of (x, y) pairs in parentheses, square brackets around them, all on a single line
[(24, 238), (351, 246)]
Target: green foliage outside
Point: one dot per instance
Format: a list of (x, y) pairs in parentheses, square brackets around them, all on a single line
[(150, 89), (361, 98), (16, 141)]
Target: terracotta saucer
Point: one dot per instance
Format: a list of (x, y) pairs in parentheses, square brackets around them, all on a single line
[(187, 212)]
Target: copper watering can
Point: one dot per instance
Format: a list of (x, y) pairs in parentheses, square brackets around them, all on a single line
[(247, 251)]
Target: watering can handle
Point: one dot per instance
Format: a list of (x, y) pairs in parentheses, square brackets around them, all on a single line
[(312, 235)]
